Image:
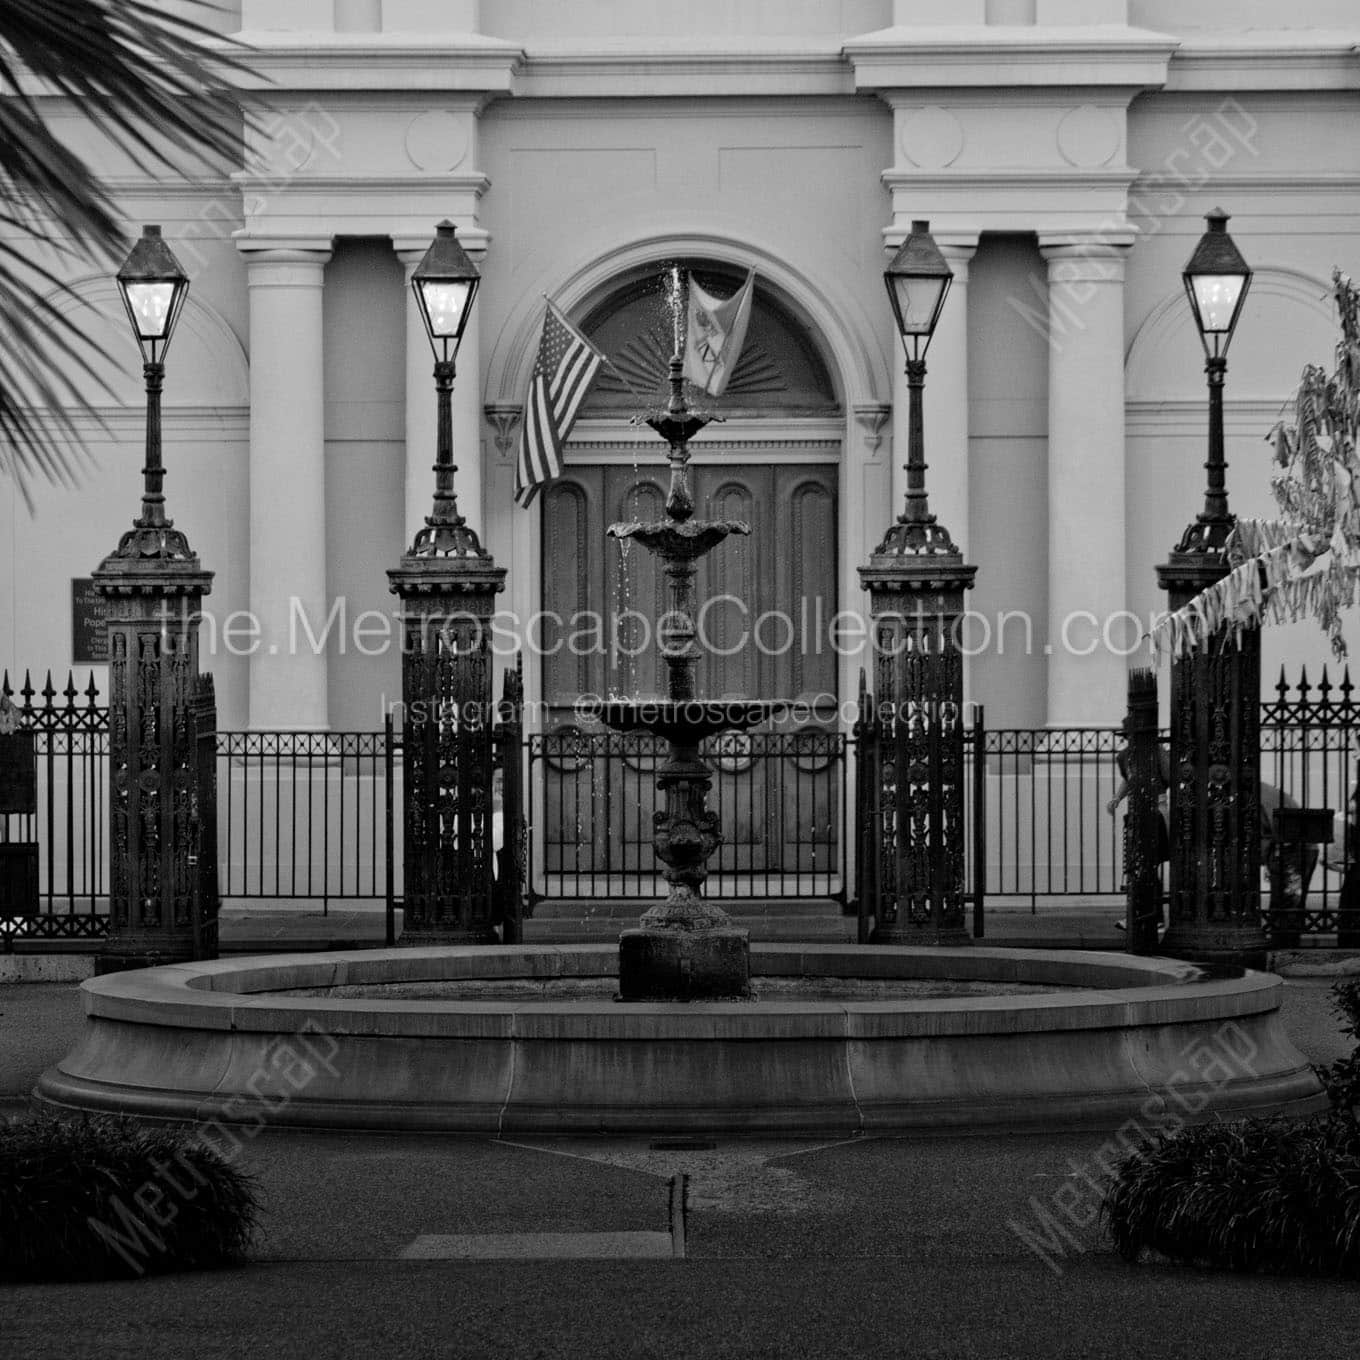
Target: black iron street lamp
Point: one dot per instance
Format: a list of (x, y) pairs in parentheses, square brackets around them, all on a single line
[(1216, 282), (918, 281), (153, 288), (1215, 818), (911, 860), (445, 283), (447, 583), (162, 771)]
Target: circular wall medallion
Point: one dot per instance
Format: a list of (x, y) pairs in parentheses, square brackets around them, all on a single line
[(732, 752), (436, 141), (932, 138), (1088, 136)]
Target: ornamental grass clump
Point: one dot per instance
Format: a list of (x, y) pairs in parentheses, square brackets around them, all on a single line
[(1275, 1195), (1341, 1079), (103, 1198)]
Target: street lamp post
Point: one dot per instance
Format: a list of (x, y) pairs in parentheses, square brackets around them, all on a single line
[(447, 583), (1215, 832), (916, 579), (162, 857)]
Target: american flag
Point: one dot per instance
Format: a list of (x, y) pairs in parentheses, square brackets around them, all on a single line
[(566, 365)]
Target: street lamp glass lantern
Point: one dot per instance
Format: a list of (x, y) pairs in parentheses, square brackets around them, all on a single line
[(1216, 282), (918, 280), (445, 284), (153, 288)]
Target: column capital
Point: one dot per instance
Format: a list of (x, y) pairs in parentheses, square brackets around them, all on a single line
[(285, 250), (954, 242), (410, 250), (1085, 259)]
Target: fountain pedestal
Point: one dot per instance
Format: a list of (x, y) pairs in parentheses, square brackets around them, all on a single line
[(684, 948)]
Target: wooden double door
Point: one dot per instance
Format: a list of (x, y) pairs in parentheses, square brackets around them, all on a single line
[(767, 605)]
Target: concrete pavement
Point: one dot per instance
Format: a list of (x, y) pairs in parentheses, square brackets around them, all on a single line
[(875, 1247)]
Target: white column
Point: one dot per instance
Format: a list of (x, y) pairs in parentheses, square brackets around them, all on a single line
[(946, 404), (287, 488), (420, 404), (1086, 678), (358, 16)]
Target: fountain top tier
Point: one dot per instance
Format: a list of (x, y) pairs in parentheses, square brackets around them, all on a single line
[(678, 542), (687, 537)]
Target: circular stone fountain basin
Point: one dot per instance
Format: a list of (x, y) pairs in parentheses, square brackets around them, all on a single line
[(1067, 1039)]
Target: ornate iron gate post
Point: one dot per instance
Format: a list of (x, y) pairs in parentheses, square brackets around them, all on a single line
[(1142, 864), (1215, 901), (916, 579), (448, 584), (154, 586)]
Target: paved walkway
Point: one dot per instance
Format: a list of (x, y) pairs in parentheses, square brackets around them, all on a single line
[(399, 1247)]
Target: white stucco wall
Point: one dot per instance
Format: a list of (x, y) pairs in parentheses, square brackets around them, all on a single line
[(583, 139)]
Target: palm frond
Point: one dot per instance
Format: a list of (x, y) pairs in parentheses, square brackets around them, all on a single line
[(161, 90)]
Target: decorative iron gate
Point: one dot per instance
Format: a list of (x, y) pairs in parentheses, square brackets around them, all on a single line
[(780, 797), (911, 821)]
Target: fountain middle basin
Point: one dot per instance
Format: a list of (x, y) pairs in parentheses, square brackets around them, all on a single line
[(1119, 1038)]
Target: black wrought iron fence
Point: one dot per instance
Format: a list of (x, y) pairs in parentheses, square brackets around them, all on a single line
[(306, 815), (780, 795), (311, 815), (1309, 736), (1048, 831), (53, 813)]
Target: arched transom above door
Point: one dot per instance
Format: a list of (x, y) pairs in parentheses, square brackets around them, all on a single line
[(780, 371)]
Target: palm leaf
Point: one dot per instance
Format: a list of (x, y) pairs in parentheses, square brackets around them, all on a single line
[(160, 89)]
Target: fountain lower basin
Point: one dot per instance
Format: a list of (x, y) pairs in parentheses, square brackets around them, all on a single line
[(1124, 1038)]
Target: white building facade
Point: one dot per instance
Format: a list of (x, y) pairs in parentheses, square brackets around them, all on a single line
[(1063, 151)]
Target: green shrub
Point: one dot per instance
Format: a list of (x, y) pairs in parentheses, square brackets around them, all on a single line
[(1342, 1079), (101, 1197), (1274, 1195)]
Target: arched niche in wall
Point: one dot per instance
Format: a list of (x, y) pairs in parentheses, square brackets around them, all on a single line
[(1288, 320), (779, 372), (205, 367)]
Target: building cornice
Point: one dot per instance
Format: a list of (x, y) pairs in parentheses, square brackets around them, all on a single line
[(773, 68), (126, 424), (1293, 59), (1018, 178), (1187, 418), (1289, 182), (968, 56), (374, 61)]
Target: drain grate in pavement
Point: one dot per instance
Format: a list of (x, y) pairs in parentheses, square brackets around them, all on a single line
[(580, 1246)]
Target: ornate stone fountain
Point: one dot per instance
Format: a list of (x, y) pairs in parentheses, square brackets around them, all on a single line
[(685, 948)]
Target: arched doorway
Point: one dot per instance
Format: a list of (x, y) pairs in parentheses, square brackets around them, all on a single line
[(773, 461)]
